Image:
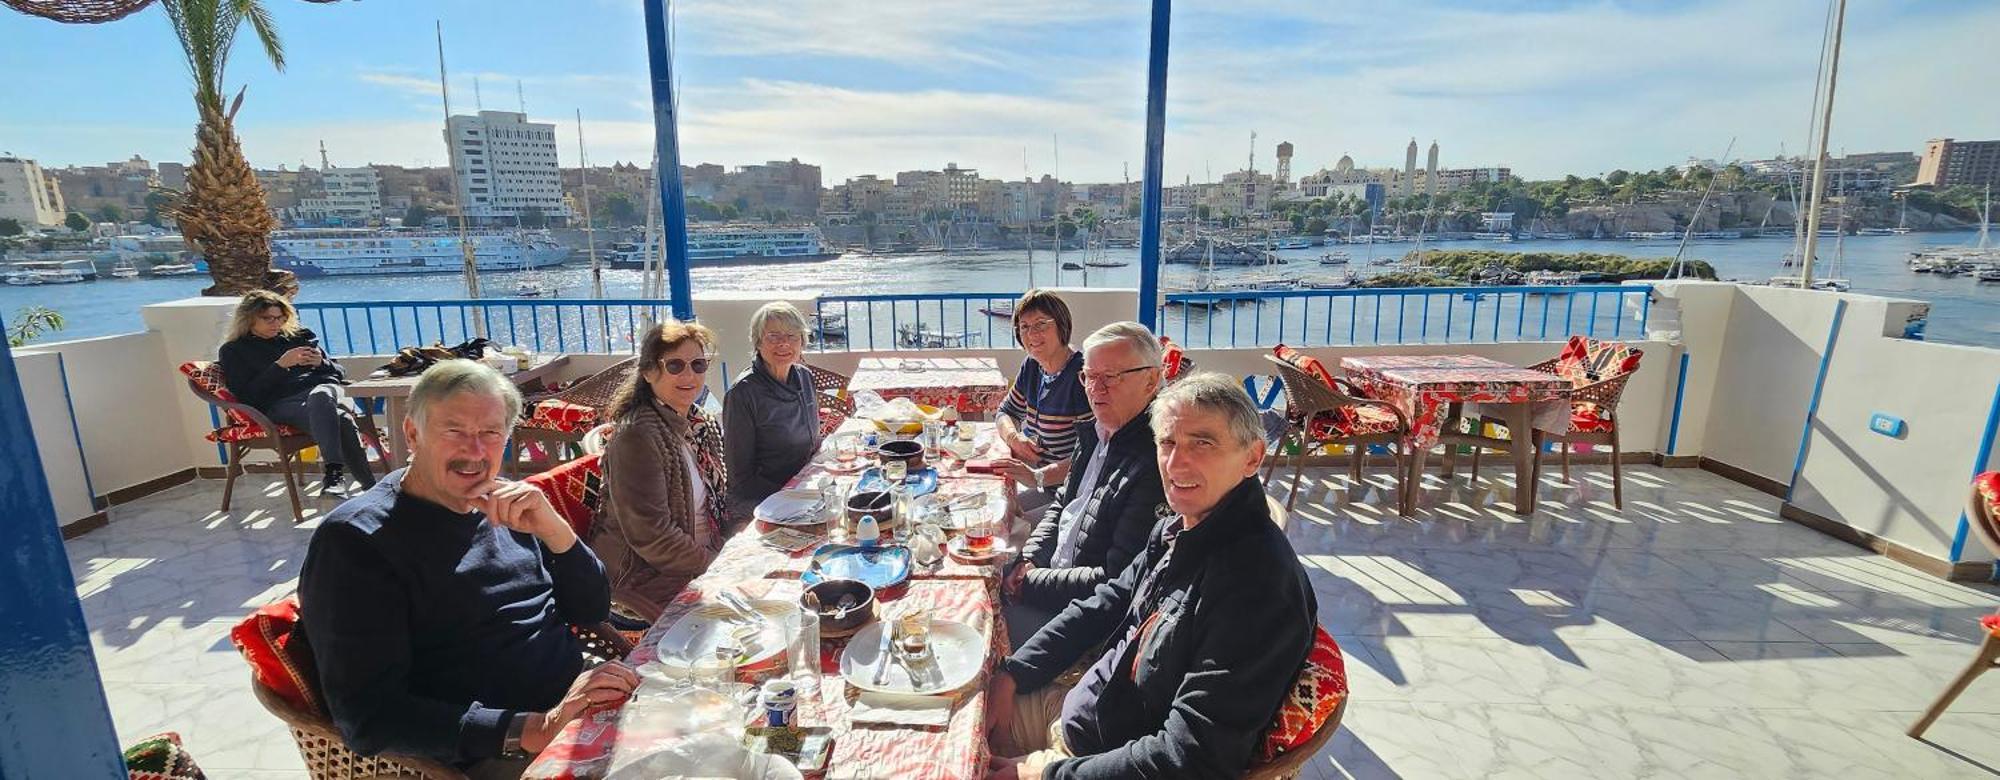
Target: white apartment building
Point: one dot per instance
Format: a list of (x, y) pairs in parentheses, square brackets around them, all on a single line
[(351, 196), (28, 195), (506, 165)]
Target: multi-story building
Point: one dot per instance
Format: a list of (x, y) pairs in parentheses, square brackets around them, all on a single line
[(347, 196), (90, 188), (173, 175), (28, 195), (782, 185), (1949, 162), (703, 181), (1008, 202), (507, 167), (860, 195)]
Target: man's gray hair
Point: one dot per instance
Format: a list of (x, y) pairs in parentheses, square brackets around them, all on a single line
[(1214, 392), (1145, 345), (450, 377), (777, 313)]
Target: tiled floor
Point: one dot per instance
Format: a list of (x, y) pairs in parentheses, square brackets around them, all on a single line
[(1694, 634)]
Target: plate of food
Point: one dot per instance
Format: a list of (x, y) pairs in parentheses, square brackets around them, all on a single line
[(903, 416)]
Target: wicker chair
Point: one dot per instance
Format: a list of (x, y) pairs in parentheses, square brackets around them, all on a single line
[(245, 429), (328, 758), (1593, 408), (562, 418), (835, 405), (1287, 766), (1319, 415), (1980, 511)]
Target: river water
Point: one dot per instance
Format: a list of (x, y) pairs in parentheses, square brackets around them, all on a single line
[(1963, 311)]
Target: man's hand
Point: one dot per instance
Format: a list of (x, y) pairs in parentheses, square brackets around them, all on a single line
[(1021, 473), (1011, 586), (1028, 767), (604, 686), (299, 356), (1000, 712), (522, 507)]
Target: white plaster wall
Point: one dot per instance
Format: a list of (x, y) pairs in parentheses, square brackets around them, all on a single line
[(189, 329), (55, 439), (127, 400), (1704, 314), (1769, 354)]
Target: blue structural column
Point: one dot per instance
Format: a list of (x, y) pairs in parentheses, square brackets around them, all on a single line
[(55, 722), (1150, 207), (666, 135)]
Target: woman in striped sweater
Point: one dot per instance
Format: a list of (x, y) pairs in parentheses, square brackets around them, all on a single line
[(1046, 407)]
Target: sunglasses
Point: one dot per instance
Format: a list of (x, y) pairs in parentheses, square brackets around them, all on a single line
[(677, 366)]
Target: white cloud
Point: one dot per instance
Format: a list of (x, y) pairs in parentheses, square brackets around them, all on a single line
[(919, 32)]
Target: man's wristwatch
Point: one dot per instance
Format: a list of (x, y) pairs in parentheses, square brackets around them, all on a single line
[(511, 746), (1039, 479)]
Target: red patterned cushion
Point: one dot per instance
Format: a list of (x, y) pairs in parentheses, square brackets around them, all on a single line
[(1587, 417), (280, 664), (1175, 359), (576, 488), (1991, 623), (559, 415), (1585, 360), (1320, 687), (237, 426), (1354, 420), (1305, 362), (161, 757)]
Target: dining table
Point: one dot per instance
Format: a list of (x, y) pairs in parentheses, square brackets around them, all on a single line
[(395, 390), (1437, 393), (752, 567), (973, 386)]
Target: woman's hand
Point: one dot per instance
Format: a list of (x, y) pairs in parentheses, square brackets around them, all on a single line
[(299, 356)]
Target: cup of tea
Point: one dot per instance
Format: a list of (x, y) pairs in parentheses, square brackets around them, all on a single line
[(979, 532), (913, 632)]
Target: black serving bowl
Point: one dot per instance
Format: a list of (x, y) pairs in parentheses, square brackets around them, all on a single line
[(909, 452), (879, 503), (830, 592)]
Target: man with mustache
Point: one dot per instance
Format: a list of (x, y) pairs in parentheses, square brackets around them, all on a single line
[(438, 603)]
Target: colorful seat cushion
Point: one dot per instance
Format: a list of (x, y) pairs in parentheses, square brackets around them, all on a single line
[(1585, 360), (1354, 420), (1320, 688), (267, 641), (576, 489), (1586, 417), (1175, 360), (1304, 362), (237, 426), (160, 757), (559, 415), (1991, 624)]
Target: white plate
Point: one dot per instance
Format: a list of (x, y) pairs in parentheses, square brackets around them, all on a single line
[(797, 506), (693, 638), (959, 651)]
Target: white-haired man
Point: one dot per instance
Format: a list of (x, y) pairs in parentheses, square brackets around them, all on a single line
[(438, 603)]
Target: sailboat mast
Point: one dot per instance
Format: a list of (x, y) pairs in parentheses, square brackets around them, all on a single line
[(589, 230), (1819, 158), (471, 266), (1055, 165), (1029, 178)]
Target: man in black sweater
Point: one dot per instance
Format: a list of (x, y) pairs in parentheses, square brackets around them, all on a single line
[(1105, 510), (438, 603), (1206, 630)]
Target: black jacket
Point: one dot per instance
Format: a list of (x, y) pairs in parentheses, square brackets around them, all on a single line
[(250, 369), (1223, 631), (1120, 513)]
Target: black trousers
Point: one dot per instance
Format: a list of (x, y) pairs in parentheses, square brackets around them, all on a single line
[(326, 414)]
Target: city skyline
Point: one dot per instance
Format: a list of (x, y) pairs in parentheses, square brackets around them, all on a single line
[(895, 86)]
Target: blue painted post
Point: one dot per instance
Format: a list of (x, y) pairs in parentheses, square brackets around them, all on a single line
[(1984, 457), (1680, 392), (666, 141), (58, 724), (1150, 207), (1812, 404)]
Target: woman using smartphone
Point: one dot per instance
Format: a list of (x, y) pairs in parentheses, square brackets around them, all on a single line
[(273, 364)]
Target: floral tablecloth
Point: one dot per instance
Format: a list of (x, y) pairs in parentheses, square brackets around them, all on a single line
[(954, 591), (1423, 385), (974, 386)]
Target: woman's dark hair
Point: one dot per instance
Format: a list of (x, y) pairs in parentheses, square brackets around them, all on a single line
[(653, 348), (1046, 303)]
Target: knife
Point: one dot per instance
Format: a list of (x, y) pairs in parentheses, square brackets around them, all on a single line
[(882, 660)]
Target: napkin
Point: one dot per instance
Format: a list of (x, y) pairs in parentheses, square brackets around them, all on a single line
[(901, 709)]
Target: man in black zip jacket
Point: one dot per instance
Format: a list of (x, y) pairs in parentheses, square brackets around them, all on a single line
[(1206, 630), (1105, 510)]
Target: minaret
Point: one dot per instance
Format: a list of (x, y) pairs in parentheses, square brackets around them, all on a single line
[(1284, 166), (1431, 170), (323, 165), (1410, 169)]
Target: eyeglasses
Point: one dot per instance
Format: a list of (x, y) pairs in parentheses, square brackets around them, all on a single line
[(781, 339), (1033, 328), (677, 366), (1108, 378)]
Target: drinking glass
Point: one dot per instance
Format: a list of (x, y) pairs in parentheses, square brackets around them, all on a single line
[(895, 471), (845, 450), (934, 439), (805, 652), (979, 530), (913, 632)]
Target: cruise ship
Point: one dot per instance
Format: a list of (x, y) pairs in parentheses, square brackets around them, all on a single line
[(737, 245), (373, 252)]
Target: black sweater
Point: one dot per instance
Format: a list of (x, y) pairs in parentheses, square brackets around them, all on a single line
[(1120, 512), (431, 628), (250, 369), (1222, 632)]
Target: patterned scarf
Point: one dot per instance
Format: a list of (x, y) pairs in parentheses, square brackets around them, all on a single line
[(701, 434)]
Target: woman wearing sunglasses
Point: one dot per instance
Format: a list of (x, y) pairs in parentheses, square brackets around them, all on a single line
[(665, 485), (771, 414)]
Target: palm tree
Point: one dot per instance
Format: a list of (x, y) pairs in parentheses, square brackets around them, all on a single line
[(223, 214)]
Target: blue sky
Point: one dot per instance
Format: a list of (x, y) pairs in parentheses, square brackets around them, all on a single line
[(876, 86)]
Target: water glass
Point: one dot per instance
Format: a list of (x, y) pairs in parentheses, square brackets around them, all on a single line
[(913, 632), (895, 471), (934, 439), (805, 652), (845, 449), (718, 671)]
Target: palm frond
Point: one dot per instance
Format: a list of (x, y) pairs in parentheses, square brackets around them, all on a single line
[(266, 29)]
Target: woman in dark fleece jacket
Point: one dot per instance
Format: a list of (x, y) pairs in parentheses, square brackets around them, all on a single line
[(770, 417), (271, 363)]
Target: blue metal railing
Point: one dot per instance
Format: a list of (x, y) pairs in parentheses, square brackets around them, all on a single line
[(845, 323), (555, 325), (1407, 315)]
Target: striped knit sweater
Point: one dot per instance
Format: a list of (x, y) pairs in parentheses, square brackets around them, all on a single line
[(1049, 408)]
